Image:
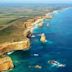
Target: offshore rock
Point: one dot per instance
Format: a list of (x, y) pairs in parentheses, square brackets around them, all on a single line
[(43, 38), (38, 66)]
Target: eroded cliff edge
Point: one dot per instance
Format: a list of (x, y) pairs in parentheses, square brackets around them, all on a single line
[(23, 44)]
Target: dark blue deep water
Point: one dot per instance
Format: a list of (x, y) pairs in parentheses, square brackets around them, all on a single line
[(58, 46)]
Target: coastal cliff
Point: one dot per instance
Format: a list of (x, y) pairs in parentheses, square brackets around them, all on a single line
[(21, 45), (5, 63), (24, 44)]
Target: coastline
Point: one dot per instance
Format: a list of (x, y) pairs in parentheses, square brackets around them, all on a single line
[(20, 44)]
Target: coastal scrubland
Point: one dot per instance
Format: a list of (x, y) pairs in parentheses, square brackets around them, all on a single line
[(12, 20)]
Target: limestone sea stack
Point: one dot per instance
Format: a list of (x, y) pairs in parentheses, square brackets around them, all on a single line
[(43, 38), (5, 63)]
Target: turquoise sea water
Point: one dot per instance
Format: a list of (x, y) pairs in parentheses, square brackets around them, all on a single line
[(58, 46)]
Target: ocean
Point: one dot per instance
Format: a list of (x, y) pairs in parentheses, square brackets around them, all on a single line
[(58, 46)]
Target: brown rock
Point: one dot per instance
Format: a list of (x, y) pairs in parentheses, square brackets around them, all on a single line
[(43, 38), (6, 63), (21, 45), (38, 66)]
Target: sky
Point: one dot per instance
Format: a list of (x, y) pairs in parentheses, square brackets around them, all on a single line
[(35, 1)]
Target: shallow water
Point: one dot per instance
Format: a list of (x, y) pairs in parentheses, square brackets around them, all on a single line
[(58, 46)]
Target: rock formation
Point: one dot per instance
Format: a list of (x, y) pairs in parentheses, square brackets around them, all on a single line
[(43, 38), (27, 33), (5, 63), (21, 45), (38, 66)]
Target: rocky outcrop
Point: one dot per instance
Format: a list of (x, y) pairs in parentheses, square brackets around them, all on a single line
[(21, 45), (5, 63), (43, 38), (29, 23), (27, 33)]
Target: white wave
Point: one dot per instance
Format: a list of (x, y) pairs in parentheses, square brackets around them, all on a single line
[(10, 52), (36, 54), (33, 36)]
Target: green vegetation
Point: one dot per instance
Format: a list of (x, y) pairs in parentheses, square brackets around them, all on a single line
[(11, 18), (4, 21)]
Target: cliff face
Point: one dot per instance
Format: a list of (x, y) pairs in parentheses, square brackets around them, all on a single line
[(5, 63), (21, 45)]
